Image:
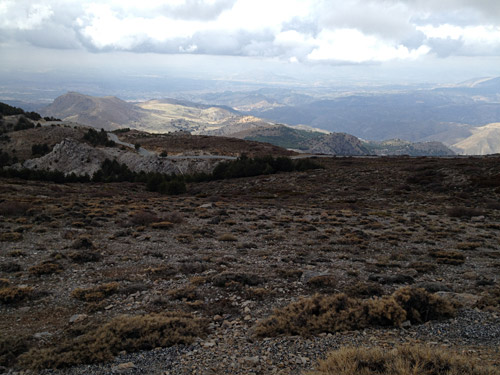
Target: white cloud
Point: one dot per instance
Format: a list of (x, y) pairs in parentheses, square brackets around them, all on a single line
[(351, 45), (351, 31)]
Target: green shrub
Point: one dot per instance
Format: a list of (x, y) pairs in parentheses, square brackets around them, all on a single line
[(40, 149), (100, 138)]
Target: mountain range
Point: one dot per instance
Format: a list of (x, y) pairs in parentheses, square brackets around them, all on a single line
[(170, 115), (462, 117)]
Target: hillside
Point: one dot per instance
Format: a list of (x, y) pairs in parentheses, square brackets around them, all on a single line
[(484, 140), (155, 116), (107, 112), (279, 135), (261, 275), (400, 147), (335, 144)]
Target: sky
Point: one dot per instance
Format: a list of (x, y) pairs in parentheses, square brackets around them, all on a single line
[(427, 40)]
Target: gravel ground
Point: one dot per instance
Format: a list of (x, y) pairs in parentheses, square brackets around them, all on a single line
[(231, 349)]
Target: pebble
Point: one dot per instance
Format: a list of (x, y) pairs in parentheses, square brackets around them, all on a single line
[(77, 318)]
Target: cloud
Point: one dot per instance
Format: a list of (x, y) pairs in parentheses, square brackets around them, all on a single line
[(328, 31)]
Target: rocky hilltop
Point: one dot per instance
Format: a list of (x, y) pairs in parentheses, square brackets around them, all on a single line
[(336, 144)]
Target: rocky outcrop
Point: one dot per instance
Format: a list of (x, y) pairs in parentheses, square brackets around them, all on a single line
[(71, 156)]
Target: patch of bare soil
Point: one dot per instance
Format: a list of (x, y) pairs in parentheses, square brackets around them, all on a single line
[(228, 256)]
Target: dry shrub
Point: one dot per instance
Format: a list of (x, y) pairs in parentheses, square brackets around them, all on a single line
[(143, 218), (82, 242), (162, 225), (325, 282), (175, 217), (464, 212), (10, 237), (228, 237), (290, 273), (129, 333), (226, 278), (364, 289), (14, 294), (10, 267), (45, 268), (187, 293), (339, 312), (95, 293), (84, 256), (448, 257), (403, 360), (490, 300), (161, 272), (468, 245), (422, 267), (10, 348), (13, 208)]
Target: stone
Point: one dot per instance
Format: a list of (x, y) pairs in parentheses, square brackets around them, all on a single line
[(123, 367), (77, 318)]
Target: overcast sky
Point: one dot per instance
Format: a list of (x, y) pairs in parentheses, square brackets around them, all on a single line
[(205, 35)]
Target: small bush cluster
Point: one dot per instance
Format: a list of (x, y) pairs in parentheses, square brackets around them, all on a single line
[(23, 123), (95, 293), (13, 294), (112, 171), (248, 167), (464, 212), (448, 257), (129, 333), (45, 268), (13, 208), (403, 360), (339, 312), (225, 278), (40, 149), (100, 138), (11, 348)]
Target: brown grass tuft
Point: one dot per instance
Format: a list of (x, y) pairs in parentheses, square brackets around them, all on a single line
[(452, 257), (129, 333), (45, 268), (403, 360), (14, 294), (95, 293), (339, 312)]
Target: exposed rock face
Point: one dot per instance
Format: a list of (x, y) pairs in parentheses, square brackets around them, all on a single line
[(336, 144), (71, 156)]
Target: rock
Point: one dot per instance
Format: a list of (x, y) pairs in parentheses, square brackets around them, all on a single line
[(406, 324), (77, 318), (123, 367), (42, 335), (206, 205), (209, 344)]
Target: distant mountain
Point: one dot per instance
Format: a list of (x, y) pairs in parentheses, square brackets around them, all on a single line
[(400, 147), (336, 144), (106, 112), (279, 135), (484, 140), (156, 116)]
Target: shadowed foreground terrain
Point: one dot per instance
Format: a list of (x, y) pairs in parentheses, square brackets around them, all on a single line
[(261, 275)]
